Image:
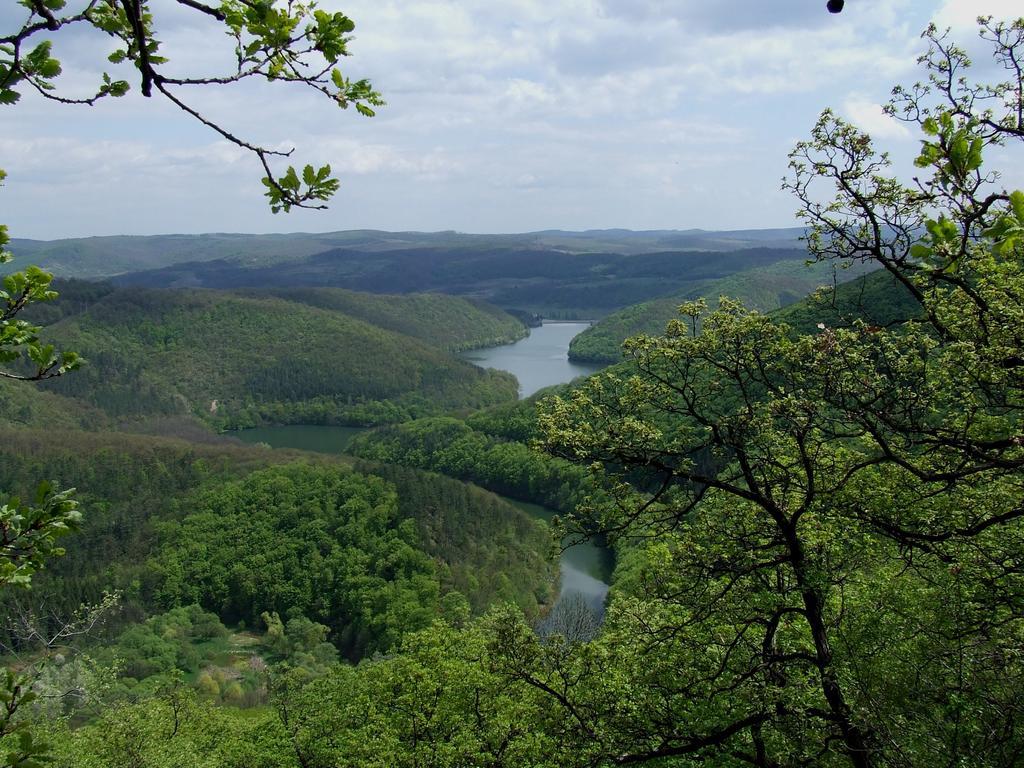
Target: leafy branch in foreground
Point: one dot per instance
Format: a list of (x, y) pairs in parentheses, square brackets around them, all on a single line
[(830, 526), (29, 532), (286, 42), (19, 340)]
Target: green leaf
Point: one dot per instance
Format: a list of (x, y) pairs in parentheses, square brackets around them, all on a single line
[(1017, 205), (921, 252), (50, 68), (974, 158)]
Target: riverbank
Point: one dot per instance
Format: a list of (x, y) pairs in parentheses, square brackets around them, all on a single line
[(540, 360)]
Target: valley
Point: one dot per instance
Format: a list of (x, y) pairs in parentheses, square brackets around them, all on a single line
[(537, 498), (538, 361), (432, 382), (326, 488)]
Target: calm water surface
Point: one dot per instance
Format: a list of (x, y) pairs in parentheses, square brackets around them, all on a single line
[(585, 568), (306, 437), (539, 360)]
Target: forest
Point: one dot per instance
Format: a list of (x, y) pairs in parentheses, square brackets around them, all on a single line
[(803, 455), (238, 360)]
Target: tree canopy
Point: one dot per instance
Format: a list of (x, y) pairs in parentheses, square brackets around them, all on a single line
[(837, 569)]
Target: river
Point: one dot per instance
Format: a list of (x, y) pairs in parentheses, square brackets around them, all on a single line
[(540, 360), (585, 569), (305, 437)]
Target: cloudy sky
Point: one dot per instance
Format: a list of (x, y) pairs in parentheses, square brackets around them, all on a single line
[(502, 116)]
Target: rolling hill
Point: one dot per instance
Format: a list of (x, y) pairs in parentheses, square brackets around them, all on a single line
[(101, 257), (763, 288), (233, 360), (551, 282), (452, 323), (554, 273), (145, 497)]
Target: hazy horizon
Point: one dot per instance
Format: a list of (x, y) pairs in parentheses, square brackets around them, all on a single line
[(315, 233)]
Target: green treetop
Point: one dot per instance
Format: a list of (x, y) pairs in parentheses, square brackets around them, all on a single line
[(839, 561)]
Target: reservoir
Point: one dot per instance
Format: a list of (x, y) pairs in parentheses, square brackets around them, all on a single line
[(540, 360)]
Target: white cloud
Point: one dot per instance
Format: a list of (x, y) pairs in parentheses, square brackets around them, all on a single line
[(503, 114), (364, 159), (962, 15), (521, 91), (871, 118)]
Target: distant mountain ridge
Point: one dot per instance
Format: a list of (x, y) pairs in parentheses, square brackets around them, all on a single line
[(556, 284), (107, 256), (556, 274)]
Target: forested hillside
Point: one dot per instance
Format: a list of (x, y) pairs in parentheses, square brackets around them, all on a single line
[(552, 282), (452, 447), (762, 288), (236, 361), (876, 299), (370, 552), (563, 274), (24, 407), (451, 323), (104, 257)]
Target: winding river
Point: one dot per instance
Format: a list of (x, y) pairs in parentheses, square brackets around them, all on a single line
[(540, 360)]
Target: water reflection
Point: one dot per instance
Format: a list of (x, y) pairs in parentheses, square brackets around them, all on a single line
[(585, 570), (540, 360)]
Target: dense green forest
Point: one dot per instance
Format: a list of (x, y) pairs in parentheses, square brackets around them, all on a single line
[(452, 323), (454, 448), (236, 361), (38, 408), (815, 502), (877, 299), (762, 288), (239, 531)]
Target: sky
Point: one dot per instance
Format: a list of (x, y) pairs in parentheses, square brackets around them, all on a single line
[(502, 116)]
